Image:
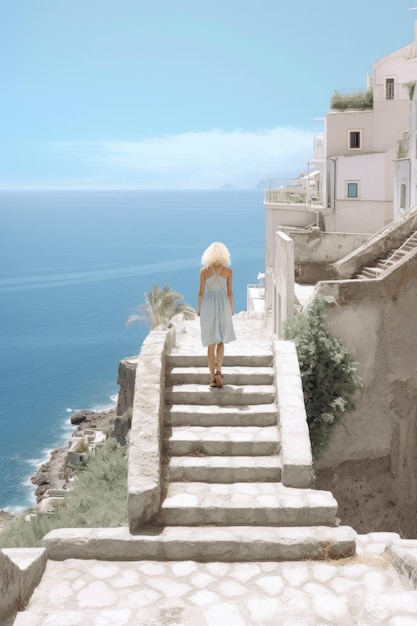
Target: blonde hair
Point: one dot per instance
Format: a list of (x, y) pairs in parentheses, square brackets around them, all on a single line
[(216, 254)]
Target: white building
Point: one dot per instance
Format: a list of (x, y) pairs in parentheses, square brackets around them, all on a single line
[(361, 150), (361, 147)]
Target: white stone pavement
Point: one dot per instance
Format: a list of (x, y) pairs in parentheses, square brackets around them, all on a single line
[(363, 590)]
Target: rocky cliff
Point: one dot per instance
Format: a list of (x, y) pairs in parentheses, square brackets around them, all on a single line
[(126, 382), (117, 422)]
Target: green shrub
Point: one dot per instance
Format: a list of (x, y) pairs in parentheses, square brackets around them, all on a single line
[(22, 534), (328, 373), (359, 101), (98, 499)]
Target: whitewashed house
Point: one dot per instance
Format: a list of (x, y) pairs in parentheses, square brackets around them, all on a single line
[(362, 148), (362, 145), (357, 158)]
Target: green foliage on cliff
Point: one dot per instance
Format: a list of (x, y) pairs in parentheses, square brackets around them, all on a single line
[(328, 373), (98, 499), (161, 305)]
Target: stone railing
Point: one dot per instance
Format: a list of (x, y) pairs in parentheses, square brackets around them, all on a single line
[(21, 570), (297, 460), (144, 475)]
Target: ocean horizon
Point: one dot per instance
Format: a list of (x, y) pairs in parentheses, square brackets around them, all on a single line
[(73, 266)]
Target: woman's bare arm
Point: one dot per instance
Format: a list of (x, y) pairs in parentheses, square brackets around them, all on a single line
[(201, 290), (230, 290)]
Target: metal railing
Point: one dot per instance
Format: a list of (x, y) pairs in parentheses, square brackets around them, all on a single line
[(293, 191), (393, 91)]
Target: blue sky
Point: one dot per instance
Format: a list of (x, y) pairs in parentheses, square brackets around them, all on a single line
[(178, 93)]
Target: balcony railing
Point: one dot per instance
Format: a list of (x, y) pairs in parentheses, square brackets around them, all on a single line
[(391, 91), (293, 191)]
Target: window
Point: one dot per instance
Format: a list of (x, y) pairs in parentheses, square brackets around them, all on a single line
[(354, 139), (352, 190), (389, 89)]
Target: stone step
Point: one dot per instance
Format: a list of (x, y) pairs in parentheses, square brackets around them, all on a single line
[(198, 358), (73, 617), (214, 415), (229, 394), (258, 504), (231, 375), (225, 469), (371, 272), (398, 254), (394, 609), (228, 440), (203, 543), (384, 265)]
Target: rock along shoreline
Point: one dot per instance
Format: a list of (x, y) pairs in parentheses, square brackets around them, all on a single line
[(50, 475)]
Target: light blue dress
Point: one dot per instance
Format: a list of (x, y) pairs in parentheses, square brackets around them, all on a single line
[(216, 314)]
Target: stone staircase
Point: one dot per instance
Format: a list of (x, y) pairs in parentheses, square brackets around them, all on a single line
[(223, 466), (387, 262), (224, 435), (210, 478)]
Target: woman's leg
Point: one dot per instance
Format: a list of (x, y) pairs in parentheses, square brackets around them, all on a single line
[(219, 356), (211, 359), (219, 363)]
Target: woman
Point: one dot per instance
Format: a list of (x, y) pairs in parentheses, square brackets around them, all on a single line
[(215, 307)]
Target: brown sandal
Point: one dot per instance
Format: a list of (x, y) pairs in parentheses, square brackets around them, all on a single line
[(219, 379), (213, 383)]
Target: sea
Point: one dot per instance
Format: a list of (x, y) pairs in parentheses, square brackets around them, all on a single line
[(73, 266)]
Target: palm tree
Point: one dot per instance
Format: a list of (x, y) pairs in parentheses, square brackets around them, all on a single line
[(161, 306)]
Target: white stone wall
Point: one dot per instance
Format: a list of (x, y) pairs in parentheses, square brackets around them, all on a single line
[(280, 284), (372, 210), (317, 246)]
